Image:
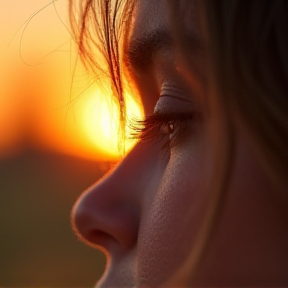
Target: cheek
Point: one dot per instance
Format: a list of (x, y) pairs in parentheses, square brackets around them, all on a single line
[(171, 217)]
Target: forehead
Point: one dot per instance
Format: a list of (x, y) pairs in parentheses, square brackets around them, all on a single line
[(153, 30)]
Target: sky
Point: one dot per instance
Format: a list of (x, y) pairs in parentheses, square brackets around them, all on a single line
[(47, 100)]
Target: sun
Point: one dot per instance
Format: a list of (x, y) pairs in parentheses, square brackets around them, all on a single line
[(99, 121), (88, 127)]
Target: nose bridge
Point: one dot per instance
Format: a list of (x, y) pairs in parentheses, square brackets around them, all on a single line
[(109, 212)]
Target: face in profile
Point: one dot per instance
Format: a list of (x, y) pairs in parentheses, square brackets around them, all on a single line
[(147, 214)]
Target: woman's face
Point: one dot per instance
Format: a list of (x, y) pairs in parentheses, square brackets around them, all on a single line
[(147, 212)]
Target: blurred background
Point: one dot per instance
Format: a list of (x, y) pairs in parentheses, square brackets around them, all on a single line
[(56, 139)]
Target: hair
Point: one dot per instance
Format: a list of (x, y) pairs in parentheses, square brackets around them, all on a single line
[(99, 28), (247, 66)]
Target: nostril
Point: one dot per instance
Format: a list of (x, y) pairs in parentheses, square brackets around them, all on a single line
[(100, 239)]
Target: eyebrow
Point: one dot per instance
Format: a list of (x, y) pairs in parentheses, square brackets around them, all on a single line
[(141, 50)]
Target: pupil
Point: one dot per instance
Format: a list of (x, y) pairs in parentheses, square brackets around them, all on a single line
[(171, 127)]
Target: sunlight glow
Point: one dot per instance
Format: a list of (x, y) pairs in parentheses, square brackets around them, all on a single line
[(100, 122), (46, 100)]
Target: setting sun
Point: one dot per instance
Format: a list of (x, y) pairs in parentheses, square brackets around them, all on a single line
[(100, 122), (47, 100)]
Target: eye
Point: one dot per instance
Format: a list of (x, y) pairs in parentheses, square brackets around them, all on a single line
[(168, 128)]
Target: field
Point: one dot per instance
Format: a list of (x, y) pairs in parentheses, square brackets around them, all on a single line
[(37, 245)]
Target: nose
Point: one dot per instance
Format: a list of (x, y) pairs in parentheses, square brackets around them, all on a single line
[(101, 219), (107, 215)]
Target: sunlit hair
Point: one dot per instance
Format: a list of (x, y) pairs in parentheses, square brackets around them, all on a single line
[(246, 46), (100, 31)]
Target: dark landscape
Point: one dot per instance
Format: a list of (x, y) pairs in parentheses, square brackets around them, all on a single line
[(37, 245)]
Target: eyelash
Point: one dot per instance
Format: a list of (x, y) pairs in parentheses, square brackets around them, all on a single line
[(158, 126)]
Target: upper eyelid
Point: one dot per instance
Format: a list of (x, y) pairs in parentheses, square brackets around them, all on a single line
[(170, 116), (176, 97), (176, 90), (172, 103)]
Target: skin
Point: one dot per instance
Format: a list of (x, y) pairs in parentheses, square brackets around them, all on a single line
[(146, 214)]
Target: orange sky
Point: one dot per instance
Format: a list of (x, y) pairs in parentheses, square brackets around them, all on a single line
[(35, 84)]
